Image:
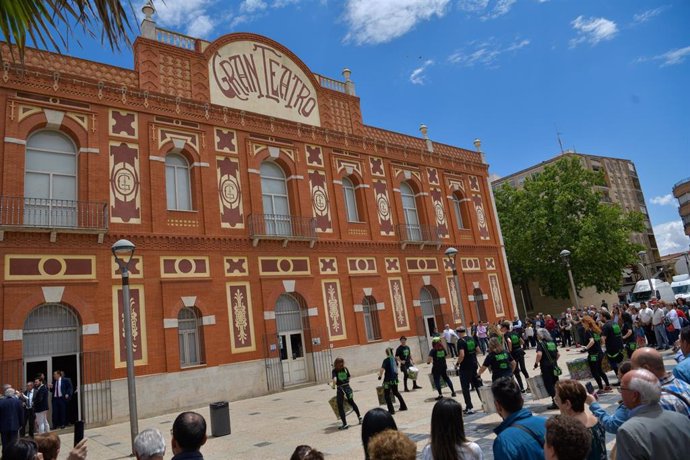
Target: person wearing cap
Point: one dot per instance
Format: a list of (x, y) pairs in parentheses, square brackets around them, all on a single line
[(467, 364), (389, 372), (404, 357), (439, 369)]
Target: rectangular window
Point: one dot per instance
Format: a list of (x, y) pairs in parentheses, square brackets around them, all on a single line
[(371, 322)]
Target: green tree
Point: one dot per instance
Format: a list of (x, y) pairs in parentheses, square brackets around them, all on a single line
[(561, 208), (49, 23)]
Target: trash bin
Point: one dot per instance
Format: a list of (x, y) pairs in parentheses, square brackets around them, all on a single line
[(220, 418)]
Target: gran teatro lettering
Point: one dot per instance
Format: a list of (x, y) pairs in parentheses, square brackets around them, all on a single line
[(254, 76)]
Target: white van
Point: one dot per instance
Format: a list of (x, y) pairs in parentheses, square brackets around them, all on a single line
[(681, 286), (662, 291)]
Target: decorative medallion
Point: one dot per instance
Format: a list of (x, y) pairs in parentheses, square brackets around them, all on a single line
[(229, 193), (125, 193)]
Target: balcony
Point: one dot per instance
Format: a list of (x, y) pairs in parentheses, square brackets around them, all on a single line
[(54, 216), (281, 227), (418, 234)]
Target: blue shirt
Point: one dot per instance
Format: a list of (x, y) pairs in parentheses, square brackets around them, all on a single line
[(516, 444), (671, 402), (682, 370), (611, 423)]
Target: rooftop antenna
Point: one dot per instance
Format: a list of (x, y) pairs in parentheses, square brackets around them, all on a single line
[(558, 135)]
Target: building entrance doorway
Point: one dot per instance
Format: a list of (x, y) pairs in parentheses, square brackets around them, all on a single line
[(291, 340), (51, 341)]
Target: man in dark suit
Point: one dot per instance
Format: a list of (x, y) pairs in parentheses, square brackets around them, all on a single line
[(29, 414), (62, 392), (11, 417)]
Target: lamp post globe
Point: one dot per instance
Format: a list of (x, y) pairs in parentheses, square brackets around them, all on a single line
[(123, 249), (565, 254), (451, 253)]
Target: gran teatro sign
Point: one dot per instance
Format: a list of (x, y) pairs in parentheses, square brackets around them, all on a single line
[(256, 77)]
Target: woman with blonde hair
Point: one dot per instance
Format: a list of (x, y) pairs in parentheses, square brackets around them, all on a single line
[(594, 352)]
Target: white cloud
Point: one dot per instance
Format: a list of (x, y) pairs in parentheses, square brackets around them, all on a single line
[(671, 57), (485, 53), (380, 21), (486, 9), (662, 200), (252, 6), (592, 30), (417, 76), (176, 14), (670, 237), (645, 16)]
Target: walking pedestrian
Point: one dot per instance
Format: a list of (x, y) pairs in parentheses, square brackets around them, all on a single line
[(404, 356), (341, 382), (547, 359), (389, 370), (439, 369), (514, 345), (594, 353), (467, 367)]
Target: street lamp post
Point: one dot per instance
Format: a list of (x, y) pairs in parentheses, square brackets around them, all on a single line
[(450, 254), (565, 255), (641, 255), (123, 251)]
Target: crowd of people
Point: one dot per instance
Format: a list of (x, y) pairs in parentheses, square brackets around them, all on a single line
[(651, 418)]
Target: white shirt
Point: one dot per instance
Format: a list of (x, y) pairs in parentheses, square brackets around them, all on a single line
[(646, 315), (672, 315), (658, 317), (448, 334), (468, 451)]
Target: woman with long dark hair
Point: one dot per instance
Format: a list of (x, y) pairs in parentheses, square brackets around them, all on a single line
[(341, 381), (594, 353), (628, 334), (448, 441), (375, 421), (389, 372)]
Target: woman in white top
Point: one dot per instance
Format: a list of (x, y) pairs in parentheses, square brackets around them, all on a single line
[(448, 441)]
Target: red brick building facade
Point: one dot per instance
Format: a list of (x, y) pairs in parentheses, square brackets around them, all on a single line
[(274, 229)]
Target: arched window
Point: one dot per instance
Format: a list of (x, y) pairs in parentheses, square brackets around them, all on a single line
[(350, 200), (409, 203), (461, 216), (50, 180), (190, 335), (274, 195), (371, 319), (178, 185)]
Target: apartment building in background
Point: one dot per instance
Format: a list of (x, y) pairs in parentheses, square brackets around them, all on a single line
[(622, 186)]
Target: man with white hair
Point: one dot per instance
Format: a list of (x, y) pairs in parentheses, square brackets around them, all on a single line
[(149, 445), (650, 429)]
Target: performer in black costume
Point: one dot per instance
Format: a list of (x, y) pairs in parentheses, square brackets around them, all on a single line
[(404, 357), (341, 381)]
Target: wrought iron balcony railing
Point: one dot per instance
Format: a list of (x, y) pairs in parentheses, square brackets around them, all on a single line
[(54, 215), (418, 234), (281, 227)]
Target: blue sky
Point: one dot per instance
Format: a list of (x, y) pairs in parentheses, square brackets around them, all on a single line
[(612, 76)]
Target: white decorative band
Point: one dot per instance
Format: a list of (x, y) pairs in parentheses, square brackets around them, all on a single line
[(313, 311), (9, 335), (442, 301), (269, 315), (297, 177), (155, 158), (253, 171), (362, 186), (90, 329), (14, 140), (416, 303), (380, 306), (339, 182), (169, 323), (202, 164), (471, 298), (358, 307), (89, 150), (209, 320)]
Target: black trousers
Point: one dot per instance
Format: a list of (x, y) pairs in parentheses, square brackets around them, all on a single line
[(466, 378), (597, 371), (441, 374), (549, 380), (390, 389), (649, 333), (8, 438), (519, 357), (345, 393), (567, 340), (30, 420)]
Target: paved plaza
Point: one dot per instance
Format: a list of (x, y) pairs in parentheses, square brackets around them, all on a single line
[(270, 427)]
